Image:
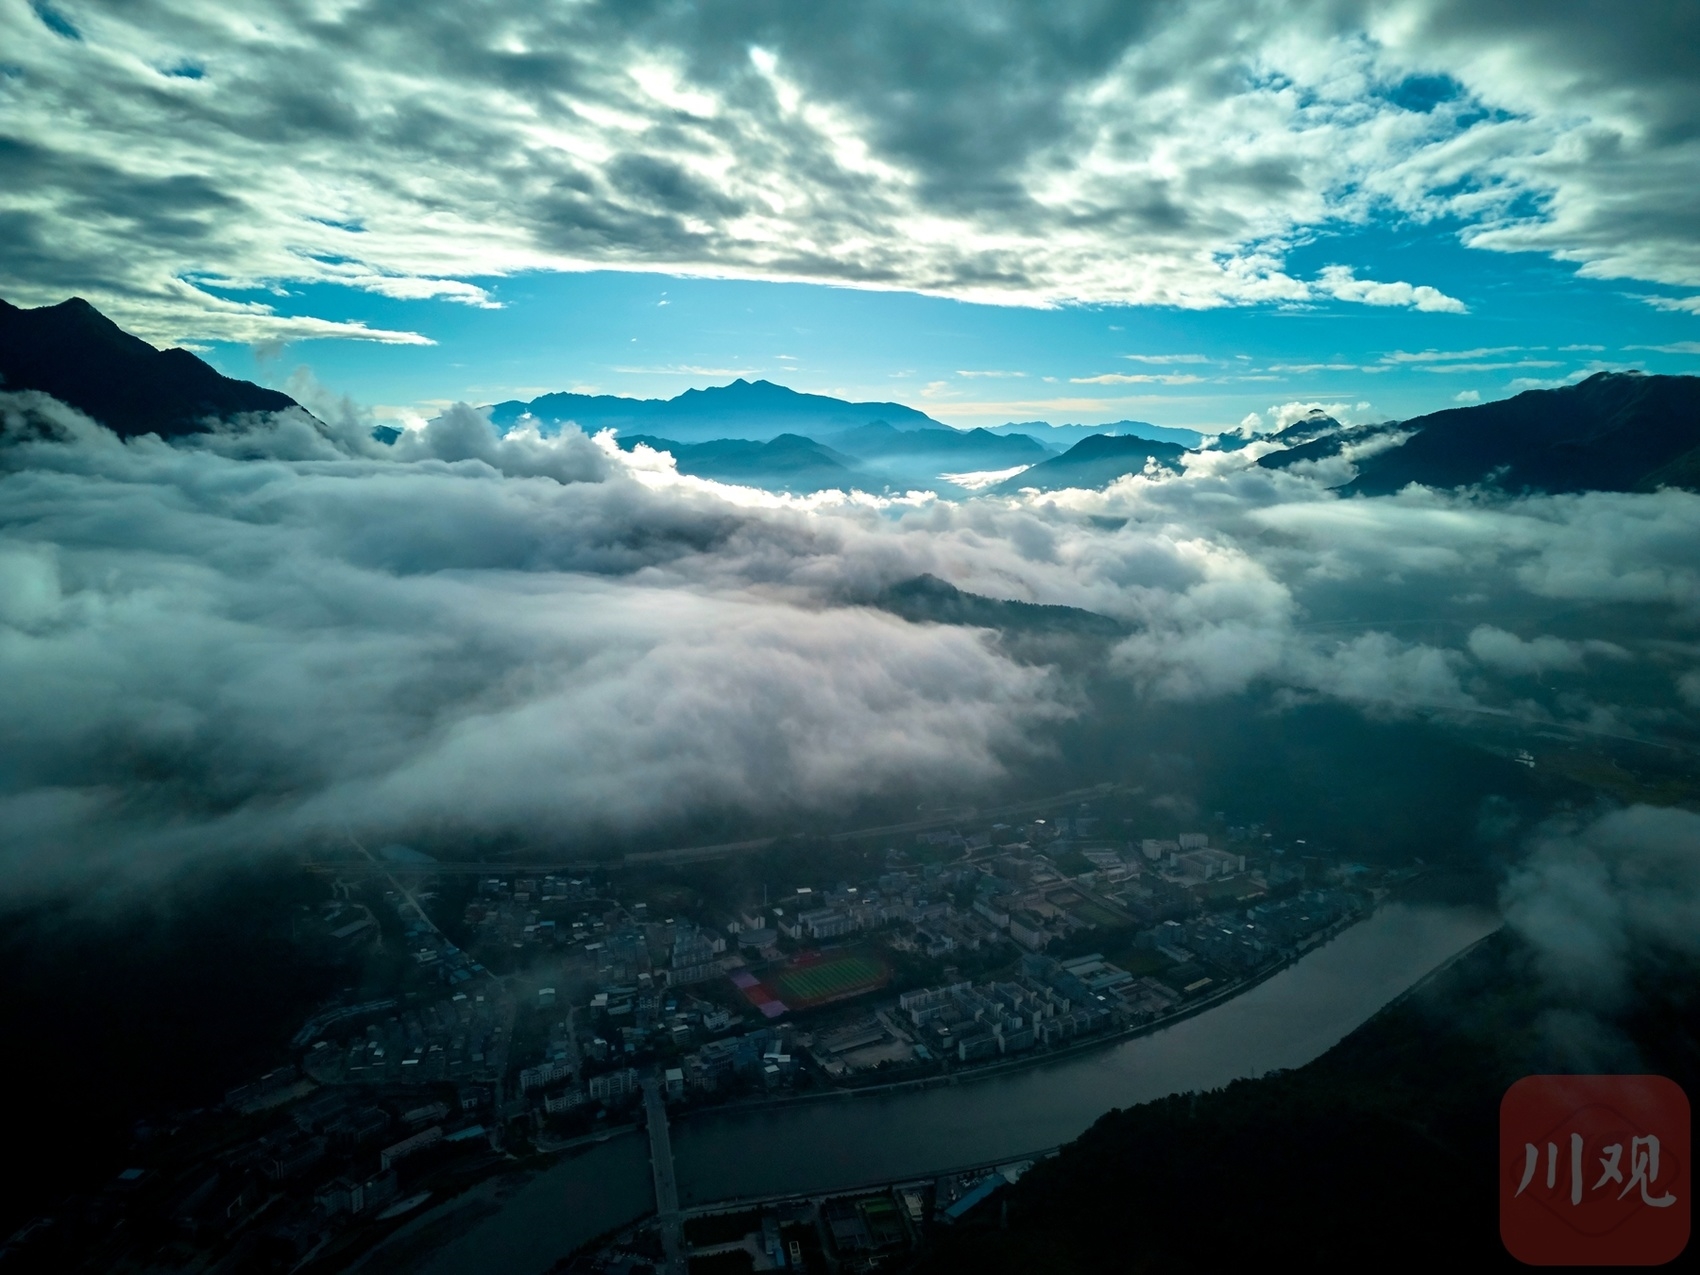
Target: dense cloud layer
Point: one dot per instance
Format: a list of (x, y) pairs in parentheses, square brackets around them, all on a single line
[(267, 635), (1143, 152)]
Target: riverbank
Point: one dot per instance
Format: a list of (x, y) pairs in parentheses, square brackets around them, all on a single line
[(809, 1148), (1039, 1058)]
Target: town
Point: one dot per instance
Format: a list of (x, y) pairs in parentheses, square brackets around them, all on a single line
[(506, 1016)]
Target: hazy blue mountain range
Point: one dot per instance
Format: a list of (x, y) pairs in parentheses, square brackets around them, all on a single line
[(758, 410), (1094, 462), (79, 356), (980, 448), (1615, 431), (1062, 437), (787, 463)]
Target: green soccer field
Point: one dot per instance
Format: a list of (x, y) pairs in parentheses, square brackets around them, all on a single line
[(829, 979)]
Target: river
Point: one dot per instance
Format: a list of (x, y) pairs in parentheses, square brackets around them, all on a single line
[(837, 1143)]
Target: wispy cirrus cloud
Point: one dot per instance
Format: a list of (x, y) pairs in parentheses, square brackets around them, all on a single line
[(1679, 305), (1137, 378)]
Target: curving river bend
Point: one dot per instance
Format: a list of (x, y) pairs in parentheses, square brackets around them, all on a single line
[(833, 1144)]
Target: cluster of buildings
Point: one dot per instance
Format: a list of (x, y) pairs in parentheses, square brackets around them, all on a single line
[(461, 1036), (322, 1162), (1046, 1004), (1244, 940)]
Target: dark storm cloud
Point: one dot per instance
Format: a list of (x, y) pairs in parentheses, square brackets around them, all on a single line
[(1149, 153)]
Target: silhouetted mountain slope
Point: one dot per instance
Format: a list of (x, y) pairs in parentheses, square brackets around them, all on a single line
[(787, 463), (928, 599), (75, 353), (973, 447), (1312, 444), (1380, 1155), (1094, 462), (1616, 431), (743, 409)]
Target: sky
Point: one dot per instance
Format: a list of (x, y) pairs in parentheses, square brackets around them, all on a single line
[(1179, 213), (263, 637)]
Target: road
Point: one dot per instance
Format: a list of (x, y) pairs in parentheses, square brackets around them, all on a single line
[(666, 1185)]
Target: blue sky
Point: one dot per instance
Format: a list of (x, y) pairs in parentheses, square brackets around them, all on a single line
[(652, 335), (437, 201)]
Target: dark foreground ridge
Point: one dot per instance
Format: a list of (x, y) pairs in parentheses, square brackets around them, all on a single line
[(1616, 431), (1381, 1154), (79, 356)]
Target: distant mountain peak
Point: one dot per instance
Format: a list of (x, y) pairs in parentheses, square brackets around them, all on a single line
[(742, 408)]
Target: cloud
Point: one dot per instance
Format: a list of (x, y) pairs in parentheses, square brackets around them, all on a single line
[(972, 375), (1137, 378), (1589, 896), (1688, 686), (1674, 347), (1445, 369), (1467, 396), (1150, 155), (1284, 414), (1448, 356), (254, 638), (1509, 653), (1340, 283), (1679, 305), (1167, 358)]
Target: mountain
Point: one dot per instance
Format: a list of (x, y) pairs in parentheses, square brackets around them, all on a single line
[(928, 599), (757, 410), (1616, 431), (972, 448), (787, 463), (79, 356), (1318, 437), (1061, 437), (1093, 462)]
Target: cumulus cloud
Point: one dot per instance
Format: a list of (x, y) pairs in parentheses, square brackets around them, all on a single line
[(1152, 154), (1340, 283), (1511, 654), (261, 636)]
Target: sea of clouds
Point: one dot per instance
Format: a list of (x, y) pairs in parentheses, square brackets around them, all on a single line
[(283, 632)]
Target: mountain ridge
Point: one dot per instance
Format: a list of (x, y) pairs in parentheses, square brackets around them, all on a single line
[(79, 356), (1093, 462), (1615, 431), (759, 410)]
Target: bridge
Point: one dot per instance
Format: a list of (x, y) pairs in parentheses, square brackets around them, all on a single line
[(671, 1221)]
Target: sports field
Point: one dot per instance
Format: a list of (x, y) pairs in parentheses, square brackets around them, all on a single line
[(815, 978)]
